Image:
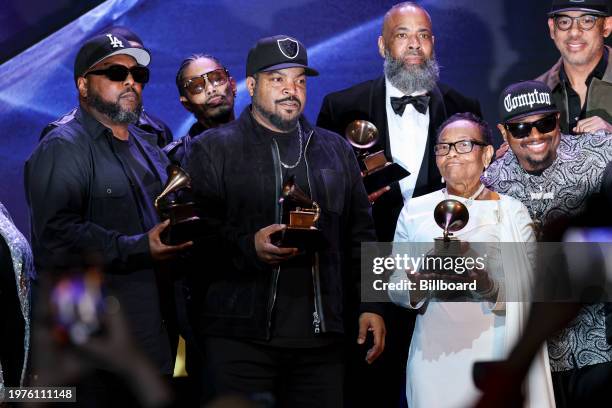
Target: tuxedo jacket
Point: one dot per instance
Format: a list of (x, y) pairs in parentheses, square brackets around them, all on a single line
[(366, 101)]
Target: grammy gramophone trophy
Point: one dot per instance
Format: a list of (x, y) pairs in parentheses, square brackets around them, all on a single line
[(300, 213), (173, 204), (452, 216), (377, 171)]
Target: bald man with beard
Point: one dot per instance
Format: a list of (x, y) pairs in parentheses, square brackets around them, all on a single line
[(407, 104)]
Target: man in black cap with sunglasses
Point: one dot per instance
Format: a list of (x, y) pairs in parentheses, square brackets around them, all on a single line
[(91, 183), (581, 79), (272, 318), (555, 175), (207, 90), (146, 121)]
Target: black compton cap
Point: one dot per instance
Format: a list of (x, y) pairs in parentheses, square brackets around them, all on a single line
[(103, 46), (599, 7), (524, 99), (278, 52)]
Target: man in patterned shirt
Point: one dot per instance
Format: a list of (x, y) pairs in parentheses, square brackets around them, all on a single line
[(554, 175)]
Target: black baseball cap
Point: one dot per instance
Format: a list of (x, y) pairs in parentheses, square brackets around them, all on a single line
[(599, 7), (278, 52), (103, 46), (524, 99), (126, 33)]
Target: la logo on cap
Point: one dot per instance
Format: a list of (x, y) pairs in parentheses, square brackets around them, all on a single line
[(114, 41), (289, 47)]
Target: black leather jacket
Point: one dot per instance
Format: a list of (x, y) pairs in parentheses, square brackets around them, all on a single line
[(236, 177)]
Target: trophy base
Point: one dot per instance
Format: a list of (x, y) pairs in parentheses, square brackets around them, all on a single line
[(304, 239), (384, 176), (181, 231), (443, 249)]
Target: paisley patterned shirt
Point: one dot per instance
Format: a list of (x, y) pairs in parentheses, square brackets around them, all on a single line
[(562, 190)]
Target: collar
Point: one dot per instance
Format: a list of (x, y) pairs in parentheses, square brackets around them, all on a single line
[(196, 129), (392, 91), (246, 120), (93, 128), (598, 72)]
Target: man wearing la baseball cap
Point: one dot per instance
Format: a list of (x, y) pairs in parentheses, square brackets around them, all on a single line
[(90, 185), (581, 79), (271, 316), (554, 175)]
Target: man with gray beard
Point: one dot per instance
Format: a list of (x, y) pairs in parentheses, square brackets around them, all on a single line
[(406, 105), (90, 185)]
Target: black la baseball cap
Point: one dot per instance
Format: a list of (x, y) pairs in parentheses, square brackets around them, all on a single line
[(599, 7), (103, 46), (524, 99), (278, 52)]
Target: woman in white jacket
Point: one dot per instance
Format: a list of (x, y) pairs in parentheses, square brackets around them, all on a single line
[(449, 336)]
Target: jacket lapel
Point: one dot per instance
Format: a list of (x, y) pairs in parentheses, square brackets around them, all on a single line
[(429, 175), (378, 115)]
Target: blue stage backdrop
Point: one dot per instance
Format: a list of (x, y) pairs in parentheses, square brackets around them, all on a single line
[(481, 46)]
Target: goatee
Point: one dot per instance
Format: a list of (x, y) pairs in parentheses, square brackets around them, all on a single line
[(113, 110)]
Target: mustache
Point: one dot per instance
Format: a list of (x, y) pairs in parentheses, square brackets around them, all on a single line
[(128, 91), (290, 99)]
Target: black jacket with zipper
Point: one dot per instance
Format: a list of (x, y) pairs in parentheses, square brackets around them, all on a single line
[(236, 179)]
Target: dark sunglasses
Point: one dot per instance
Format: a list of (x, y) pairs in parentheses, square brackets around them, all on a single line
[(196, 85), (521, 130), (119, 73)]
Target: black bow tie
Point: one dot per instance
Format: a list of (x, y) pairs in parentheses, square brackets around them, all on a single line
[(420, 103)]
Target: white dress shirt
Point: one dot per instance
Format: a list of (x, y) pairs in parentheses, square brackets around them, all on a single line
[(407, 138)]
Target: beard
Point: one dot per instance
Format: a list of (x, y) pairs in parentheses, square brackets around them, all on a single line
[(410, 78), (114, 110), (285, 125)]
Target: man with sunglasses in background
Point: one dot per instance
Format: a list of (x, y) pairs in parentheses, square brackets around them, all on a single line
[(581, 80), (146, 121), (207, 90), (91, 183), (555, 175)]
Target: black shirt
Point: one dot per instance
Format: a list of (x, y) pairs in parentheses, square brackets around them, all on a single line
[(576, 111), (146, 183), (293, 319)]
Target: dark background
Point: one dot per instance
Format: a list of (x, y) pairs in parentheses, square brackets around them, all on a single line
[(481, 46)]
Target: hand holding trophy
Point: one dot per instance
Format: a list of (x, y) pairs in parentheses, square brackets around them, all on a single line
[(300, 213), (172, 204)]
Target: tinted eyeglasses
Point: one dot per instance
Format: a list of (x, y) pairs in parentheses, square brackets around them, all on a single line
[(119, 73), (585, 22), (197, 84), (461, 147), (521, 130)]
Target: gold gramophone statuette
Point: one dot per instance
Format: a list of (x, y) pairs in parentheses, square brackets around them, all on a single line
[(172, 204), (452, 216), (300, 213), (377, 171)]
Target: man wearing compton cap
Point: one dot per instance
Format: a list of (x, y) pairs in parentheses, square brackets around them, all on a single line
[(554, 175), (91, 183), (581, 80), (146, 121), (272, 319)]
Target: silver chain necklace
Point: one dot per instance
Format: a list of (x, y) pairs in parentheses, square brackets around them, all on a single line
[(293, 166)]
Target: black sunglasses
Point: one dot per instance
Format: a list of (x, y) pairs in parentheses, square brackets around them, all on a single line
[(521, 130), (197, 84), (119, 73)]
